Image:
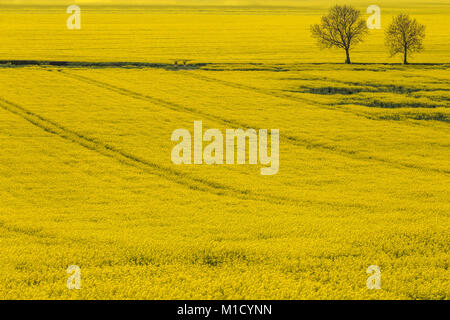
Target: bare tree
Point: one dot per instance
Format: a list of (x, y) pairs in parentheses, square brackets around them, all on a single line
[(404, 35), (342, 28)]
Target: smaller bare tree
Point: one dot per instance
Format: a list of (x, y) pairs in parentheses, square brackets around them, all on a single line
[(404, 35), (342, 28)]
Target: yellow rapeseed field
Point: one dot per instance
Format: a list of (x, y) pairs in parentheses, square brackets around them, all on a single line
[(86, 176)]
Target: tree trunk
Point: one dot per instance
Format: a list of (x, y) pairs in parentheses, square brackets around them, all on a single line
[(347, 61)]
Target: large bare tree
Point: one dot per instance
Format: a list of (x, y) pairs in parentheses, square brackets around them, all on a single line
[(342, 28), (404, 35)]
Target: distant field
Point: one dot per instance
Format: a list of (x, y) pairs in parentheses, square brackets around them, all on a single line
[(86, 177)]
